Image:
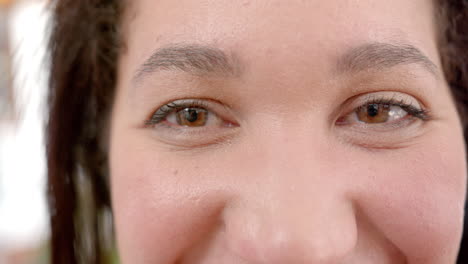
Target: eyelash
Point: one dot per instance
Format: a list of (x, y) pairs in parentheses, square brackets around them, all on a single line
[(162, 113), (412, 110)]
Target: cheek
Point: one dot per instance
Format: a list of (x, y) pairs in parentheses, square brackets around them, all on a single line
[(161, 204), (416, 198)]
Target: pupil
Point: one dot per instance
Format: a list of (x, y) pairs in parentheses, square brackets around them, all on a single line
[(373, 110), (191, 115)]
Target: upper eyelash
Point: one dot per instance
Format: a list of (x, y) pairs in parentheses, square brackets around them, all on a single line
[(412, 110), (169, 108)]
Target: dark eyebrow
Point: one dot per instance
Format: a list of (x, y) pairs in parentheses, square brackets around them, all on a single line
[(383, 55), (193, 59)]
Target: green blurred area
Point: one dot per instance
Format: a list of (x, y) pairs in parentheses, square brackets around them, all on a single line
[(41, 255)]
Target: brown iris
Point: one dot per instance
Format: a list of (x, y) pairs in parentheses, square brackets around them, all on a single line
[(192, 117), (374, 113)]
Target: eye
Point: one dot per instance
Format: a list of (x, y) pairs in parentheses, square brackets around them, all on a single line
[(192, 123), (189, 114), (382, 120), (384, 110), (380, 113), (190, 117)]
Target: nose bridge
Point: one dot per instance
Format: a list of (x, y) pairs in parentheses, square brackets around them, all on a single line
[(297, 213)]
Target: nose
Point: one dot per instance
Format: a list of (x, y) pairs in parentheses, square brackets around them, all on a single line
[(295, 212)]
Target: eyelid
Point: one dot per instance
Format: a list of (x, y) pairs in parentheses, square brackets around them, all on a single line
[(163, 111), (216, 108), (181, 137), (407, 102)]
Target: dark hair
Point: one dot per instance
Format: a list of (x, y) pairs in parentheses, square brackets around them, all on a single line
[(84, 49)]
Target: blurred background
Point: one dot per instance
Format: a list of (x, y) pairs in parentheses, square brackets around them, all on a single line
[(23, 78)]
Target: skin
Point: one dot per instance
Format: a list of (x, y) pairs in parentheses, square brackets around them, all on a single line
[(288, 175)]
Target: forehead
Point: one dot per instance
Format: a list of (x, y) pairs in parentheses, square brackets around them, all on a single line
[(291, 30)]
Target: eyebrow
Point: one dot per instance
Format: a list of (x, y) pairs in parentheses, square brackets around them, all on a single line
[(382, 56), (193, 59), (197, 59)]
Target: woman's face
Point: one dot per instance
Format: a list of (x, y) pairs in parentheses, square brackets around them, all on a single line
[(299, 131)]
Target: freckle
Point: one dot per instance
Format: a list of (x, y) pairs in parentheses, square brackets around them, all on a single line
[(176, 172)]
